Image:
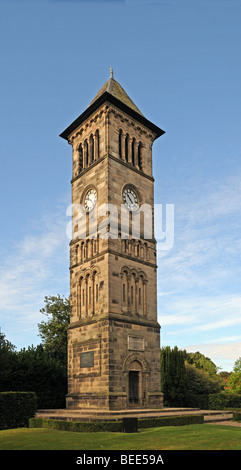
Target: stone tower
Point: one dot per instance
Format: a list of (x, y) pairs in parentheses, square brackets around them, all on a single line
[(113, 336)]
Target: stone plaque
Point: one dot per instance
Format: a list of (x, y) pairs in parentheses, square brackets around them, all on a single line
[(135, 343), (87, 359)]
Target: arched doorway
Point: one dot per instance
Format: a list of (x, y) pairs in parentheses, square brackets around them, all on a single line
[(135, 383)]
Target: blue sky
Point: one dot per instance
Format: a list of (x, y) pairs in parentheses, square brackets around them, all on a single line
[(180, 62)]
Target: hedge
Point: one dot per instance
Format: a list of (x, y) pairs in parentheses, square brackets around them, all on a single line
[(16, 408), (215, 401), (222, 400), (237, 416), (170, 421), (115, 426), (199, 401)]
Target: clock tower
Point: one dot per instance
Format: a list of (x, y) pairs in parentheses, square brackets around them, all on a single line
[(113, 335)]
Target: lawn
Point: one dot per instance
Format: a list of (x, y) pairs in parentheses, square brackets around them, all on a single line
[(191, 437)]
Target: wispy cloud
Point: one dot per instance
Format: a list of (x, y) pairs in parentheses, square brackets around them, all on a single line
[(223, 354), (35, 268), (200, 276)]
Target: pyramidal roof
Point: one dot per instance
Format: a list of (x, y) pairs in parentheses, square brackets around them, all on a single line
[(115, 89), (112, 92)]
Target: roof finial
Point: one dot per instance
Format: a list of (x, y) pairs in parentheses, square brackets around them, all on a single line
[(111, 73)]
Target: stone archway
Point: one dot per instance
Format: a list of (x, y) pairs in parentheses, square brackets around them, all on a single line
[(136, 371)]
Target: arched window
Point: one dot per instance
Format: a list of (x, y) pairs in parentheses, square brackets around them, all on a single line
[(95, 292), (80, 150), (139, 159), (97, 144), (76, 254), (80, 298), (126, 147), (124, 289), (133, 152), (120, 143), (86, 149), (92, 149)]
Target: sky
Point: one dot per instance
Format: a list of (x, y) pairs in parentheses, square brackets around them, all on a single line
[(180, 62)]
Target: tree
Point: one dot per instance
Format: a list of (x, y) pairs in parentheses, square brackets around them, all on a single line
[(34, 370), (7, 354), (234, 380), (173, 377), (53, 333), (202, 362), (200, 382)]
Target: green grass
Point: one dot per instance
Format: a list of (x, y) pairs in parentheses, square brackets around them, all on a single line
[(192, 437)]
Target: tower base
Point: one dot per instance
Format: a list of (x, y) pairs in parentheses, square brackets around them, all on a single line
[(111, 401)]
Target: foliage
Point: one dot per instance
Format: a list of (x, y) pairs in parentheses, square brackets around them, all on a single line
[(53, 332), (34, 369), (76, 426), (16, 408), (234, 380), (201, 362), (7, 351), (200, 401), (200, 382), (170, 421), (220, 401), (116, 426), (237, 416), (173, 377)]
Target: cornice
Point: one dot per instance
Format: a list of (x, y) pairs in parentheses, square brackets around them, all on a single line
[(107, 155)]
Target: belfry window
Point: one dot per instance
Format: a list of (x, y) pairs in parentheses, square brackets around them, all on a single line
[(133, 152), (120, 143), (139, 296), (92, 149), (132, 295), (126, 147), (124, 293), (86, 151), (96, 293), (97, 145), (80, 158), (139, 156)]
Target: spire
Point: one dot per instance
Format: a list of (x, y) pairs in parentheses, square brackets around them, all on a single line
[(116, 90)]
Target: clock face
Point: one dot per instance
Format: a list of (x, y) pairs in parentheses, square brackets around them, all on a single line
[(130, 199), (90, 200)]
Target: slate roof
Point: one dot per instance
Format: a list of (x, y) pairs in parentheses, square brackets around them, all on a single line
[(112, 92), (116, 90)]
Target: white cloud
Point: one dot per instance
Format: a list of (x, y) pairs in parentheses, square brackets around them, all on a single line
[(222, 354), (35, 268)]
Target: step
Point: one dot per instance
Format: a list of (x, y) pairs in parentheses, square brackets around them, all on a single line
[(215, 417), (115, 415)]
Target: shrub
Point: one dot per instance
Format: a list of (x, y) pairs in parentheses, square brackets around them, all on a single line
[(75, 426), (219, 401), (115, 426), (16, 408), (236, 416), (199, 401), (170, 421)]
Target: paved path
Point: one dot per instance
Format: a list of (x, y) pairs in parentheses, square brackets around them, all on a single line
[(228, 423)]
